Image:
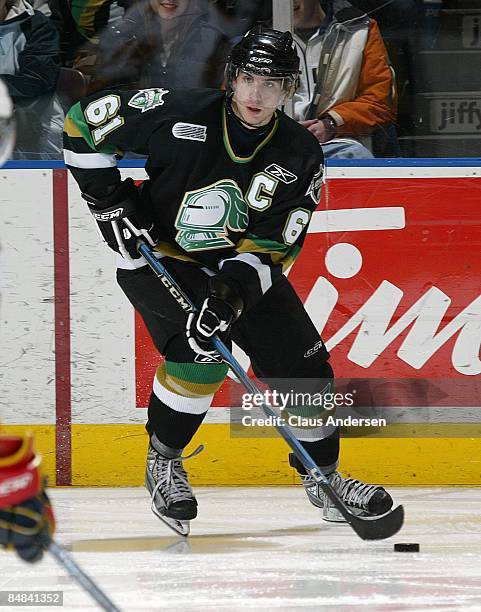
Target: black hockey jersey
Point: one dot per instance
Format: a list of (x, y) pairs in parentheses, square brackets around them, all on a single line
[(243, 217)]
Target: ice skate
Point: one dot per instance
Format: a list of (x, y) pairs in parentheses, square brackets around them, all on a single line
[(166, 480), (362, 499)]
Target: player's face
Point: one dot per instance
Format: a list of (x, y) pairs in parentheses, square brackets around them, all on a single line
[(256, 97), (168, 9)]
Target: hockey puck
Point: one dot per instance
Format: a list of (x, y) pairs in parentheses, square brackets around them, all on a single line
[(412, 547)]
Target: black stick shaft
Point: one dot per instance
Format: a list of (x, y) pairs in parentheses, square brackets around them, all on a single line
[(66, 561)]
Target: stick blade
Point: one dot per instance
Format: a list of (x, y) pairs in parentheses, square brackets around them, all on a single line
[(379, 527)]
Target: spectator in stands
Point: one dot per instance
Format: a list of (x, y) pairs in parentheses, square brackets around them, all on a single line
[(404, 30), (348, 95), (29, 67), (42, 6), (79, 23), (242, 15), (394, 18), (163, 43)]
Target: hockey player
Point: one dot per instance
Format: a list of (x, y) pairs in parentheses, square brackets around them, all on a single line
[(26, 516), (232, 185)]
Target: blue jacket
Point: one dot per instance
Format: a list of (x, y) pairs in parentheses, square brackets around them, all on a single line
[(29, 67), (133, 54)]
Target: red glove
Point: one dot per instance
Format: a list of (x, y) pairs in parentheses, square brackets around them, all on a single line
[(26, 516)]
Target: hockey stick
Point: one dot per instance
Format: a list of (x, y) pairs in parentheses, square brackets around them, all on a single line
[(367, 528), (66, 561)]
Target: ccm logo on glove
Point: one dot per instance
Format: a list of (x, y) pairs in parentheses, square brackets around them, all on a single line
[(123, 217), (108, 216)]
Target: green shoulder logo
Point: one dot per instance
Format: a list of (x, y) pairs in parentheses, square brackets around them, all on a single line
[(148, 99), (205, 216)]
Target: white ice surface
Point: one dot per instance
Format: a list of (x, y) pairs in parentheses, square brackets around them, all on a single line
[(260, 549)]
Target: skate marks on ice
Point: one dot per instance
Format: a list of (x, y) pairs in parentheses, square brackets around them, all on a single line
[(196, 544), (263, 549)]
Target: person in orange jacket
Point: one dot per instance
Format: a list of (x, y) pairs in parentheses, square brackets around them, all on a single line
[(351, 92)]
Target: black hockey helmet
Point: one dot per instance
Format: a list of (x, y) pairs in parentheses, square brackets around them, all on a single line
[(266, 52)]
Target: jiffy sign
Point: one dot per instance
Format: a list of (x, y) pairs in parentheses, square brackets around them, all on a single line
[(390, 274)]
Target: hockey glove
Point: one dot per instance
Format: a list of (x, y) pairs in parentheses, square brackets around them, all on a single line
[(122, 219), (26, 517), (219, 310)]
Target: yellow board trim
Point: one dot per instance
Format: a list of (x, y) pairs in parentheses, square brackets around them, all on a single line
[(43, 442), (114, 455)]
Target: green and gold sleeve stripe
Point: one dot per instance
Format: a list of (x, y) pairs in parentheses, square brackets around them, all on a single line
[(279, 253), (169, 250), (75, 125), (79, 148)]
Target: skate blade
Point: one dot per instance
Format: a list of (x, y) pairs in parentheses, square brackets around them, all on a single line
[(181, 528), (332, 515)]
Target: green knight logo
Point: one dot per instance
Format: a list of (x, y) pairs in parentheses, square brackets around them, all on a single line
[(148, 99), (205, 216)]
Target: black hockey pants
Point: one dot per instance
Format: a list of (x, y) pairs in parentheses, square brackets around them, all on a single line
[(277, 334)]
